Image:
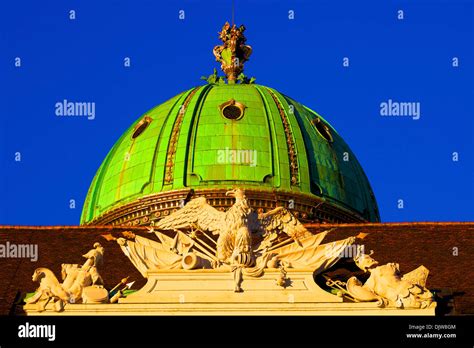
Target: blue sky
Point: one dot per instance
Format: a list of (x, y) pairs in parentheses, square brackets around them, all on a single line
[(407, 60)]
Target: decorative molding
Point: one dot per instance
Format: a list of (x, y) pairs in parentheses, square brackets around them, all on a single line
[(292, 154), (171, 154), (308, 209)]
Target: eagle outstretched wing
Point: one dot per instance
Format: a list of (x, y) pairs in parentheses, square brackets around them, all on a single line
[(281, 220), (196, 213)]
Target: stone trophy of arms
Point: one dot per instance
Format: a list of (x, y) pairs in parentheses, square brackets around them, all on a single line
[(238, 240)]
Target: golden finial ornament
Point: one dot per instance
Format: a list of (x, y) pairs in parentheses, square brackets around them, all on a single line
[(233, 52)]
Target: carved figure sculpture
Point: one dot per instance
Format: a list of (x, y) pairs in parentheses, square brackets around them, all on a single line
[(235, 226), (388, 286), (75, 280), (246, 243), (49, 290)]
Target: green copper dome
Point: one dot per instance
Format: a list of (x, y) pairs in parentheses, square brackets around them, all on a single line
[(219, 136)]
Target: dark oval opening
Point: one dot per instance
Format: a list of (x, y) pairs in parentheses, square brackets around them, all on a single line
[(140, 127), (232, 112), (323, 130)]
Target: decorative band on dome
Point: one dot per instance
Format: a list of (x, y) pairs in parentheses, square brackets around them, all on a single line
[(294, 170), (169, 166)]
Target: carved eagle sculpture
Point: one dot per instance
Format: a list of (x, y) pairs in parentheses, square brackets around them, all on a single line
[(236, 226)]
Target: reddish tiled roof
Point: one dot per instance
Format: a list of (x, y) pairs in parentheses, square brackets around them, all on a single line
[(409, 244)]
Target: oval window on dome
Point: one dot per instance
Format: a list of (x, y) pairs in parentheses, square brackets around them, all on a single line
[(232, 110), (323, 130), (141, 126)]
